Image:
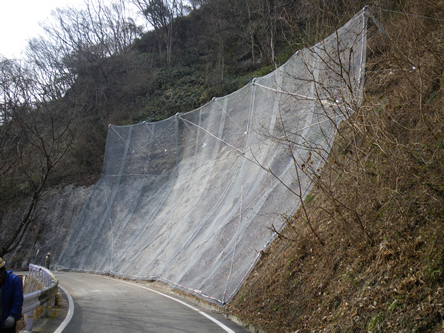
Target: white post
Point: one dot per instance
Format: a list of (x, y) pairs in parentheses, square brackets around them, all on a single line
[(29, 321), (45, 309)]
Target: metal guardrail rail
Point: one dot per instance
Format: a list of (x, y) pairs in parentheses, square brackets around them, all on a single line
[(33, 300)]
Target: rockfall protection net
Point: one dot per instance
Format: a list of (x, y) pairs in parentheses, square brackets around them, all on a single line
[(190, 200)]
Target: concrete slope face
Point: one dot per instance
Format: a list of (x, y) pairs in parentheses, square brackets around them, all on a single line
[(190, 200)]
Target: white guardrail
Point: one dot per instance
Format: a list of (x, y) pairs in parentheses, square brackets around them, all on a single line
[(40, 297)]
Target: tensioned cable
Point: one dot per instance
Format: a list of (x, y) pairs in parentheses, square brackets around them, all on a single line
[(228, 144), (385, 34), (410, 14), (155, 137), (130, 145), (142, 147), (234, 107), (308, 98), (285, 92)]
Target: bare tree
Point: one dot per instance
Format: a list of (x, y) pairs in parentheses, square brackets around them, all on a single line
[(88, 49), (265, 18), (34, 136), (161, 14)]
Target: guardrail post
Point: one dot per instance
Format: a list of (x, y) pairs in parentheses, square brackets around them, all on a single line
[(29, 321), (45, 309)]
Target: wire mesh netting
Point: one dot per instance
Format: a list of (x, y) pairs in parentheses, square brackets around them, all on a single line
[(190, 200)]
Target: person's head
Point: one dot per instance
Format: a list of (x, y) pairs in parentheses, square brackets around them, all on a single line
[(2, 269), (49, 254)]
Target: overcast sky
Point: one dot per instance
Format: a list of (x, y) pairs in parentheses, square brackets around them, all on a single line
[(19, 21)]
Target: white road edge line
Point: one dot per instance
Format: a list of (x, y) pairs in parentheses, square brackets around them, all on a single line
[(217, 322), (70, 311)]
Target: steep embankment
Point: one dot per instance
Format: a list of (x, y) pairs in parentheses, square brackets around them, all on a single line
[(376, 207), (56, 215)]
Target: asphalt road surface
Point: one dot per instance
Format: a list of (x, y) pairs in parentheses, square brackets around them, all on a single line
[(103, 304)]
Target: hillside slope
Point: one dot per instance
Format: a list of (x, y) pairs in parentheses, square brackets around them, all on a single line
[(366, 251), (377, 207)]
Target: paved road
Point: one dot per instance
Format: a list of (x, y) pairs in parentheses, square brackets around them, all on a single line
[(103, 304)]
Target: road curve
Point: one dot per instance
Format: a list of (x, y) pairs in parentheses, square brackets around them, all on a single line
[(112, 305)]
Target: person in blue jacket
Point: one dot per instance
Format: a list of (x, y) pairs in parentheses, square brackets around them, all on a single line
[(11, 296)]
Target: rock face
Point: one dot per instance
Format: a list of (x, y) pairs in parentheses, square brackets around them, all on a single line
[(56, 214)]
